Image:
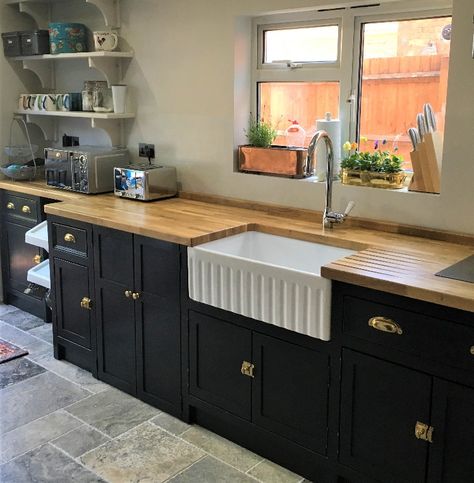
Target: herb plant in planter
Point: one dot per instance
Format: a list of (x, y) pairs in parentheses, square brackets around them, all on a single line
[(260, 156), (377, 169)]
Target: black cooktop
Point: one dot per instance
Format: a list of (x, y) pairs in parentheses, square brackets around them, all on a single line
[(463, 270)]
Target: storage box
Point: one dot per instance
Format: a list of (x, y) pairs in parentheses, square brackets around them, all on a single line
[(35, 42), (11, 44), (67, 38)]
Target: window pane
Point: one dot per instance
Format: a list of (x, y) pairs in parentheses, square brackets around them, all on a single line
[(283, 102), (404, 66), (310, 44)]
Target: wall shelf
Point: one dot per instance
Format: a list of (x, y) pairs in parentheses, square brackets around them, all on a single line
[(111, 122), (109, 63), (40, 10)]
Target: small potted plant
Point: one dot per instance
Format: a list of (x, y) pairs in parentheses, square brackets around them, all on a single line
[(261, 156), (377, 169)]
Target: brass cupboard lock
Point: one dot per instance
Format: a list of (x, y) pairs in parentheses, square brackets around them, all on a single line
[(385, 325), (135, 295), (424, 432), (247, 369), (37, 259), (86, 303)]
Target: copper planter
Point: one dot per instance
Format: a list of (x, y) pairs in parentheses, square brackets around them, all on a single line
[(277, 160)]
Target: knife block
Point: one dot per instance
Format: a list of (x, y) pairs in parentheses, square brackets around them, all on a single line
[(426, 161)]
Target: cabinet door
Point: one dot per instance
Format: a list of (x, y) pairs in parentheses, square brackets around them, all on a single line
[(116, 338), (291, 391), (158, 323), (380, 406), (452, 450), (19, 256), (71, 283), (216, 352)]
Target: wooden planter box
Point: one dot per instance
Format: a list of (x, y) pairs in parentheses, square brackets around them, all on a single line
[(282, 161), (373, 180)]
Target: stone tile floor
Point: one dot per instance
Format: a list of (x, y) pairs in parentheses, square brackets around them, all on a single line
[(59, 424)]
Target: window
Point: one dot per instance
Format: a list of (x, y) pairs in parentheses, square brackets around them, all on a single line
[(404, 64), (373, 68)]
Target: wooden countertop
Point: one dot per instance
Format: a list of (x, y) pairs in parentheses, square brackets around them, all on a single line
[(391, 262)]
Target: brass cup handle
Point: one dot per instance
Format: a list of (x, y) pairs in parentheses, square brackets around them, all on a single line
[(10, 206), (385, 325), (135, 295), (69, 238), (37, 259), (86, 303), (128, 293), (26, 209)]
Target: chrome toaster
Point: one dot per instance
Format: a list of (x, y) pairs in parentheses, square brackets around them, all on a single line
[(145, 182)]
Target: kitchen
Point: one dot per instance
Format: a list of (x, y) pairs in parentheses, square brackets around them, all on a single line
[(191, 95)]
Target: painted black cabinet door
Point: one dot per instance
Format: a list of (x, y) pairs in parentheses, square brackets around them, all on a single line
[(116, 337), (19, 256), (291, 389), (452, 450), (71, 282), (158, 323), (381, 403), (216, 352)]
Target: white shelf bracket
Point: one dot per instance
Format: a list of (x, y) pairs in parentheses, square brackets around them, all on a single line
[(113, 128), (44, 71), (109, 10), (39, 11), (109, 66), (48, 126)]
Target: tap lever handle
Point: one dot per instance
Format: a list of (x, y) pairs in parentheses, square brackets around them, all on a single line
[(349, 208)]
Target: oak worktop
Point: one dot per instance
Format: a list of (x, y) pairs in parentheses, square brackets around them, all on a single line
[(391, 262)]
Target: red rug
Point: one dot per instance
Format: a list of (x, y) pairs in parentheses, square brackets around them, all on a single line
[(9, 351)]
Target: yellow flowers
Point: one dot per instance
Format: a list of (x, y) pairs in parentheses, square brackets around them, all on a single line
[(348, 146), (363, 139)]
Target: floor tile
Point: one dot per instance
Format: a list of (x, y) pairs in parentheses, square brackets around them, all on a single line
[(18, 370), (71, 372), (269, 472), (45, 465), (80, 440), (15, 336), (21, 320), (37, 432), (44, 332), (5, 309), (210, 470), (35, 397), (221, 448), (146, 453), (112, 412), (170, 423)]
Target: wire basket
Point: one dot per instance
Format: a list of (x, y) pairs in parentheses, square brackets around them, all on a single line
[(20, 163)]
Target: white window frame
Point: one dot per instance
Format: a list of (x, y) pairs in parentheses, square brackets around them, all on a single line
[(346, 70)]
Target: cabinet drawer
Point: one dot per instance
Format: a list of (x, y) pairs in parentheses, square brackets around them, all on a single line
[(414, 333), (69, 239), (19, 207)]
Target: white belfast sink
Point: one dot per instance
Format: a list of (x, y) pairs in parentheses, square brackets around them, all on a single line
[(266, 277)]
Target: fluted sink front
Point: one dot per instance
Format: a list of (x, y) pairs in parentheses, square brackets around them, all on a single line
[(266, 277)]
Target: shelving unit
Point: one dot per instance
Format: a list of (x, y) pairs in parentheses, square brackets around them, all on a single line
[(111, 64), (40, 10)]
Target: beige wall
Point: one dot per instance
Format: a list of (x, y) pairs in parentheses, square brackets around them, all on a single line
[(192, 61)]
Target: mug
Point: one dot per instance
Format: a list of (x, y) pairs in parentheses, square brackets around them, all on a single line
[(63, 102), (105, 41), (33, 102), (24, 102), (47, 102)]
